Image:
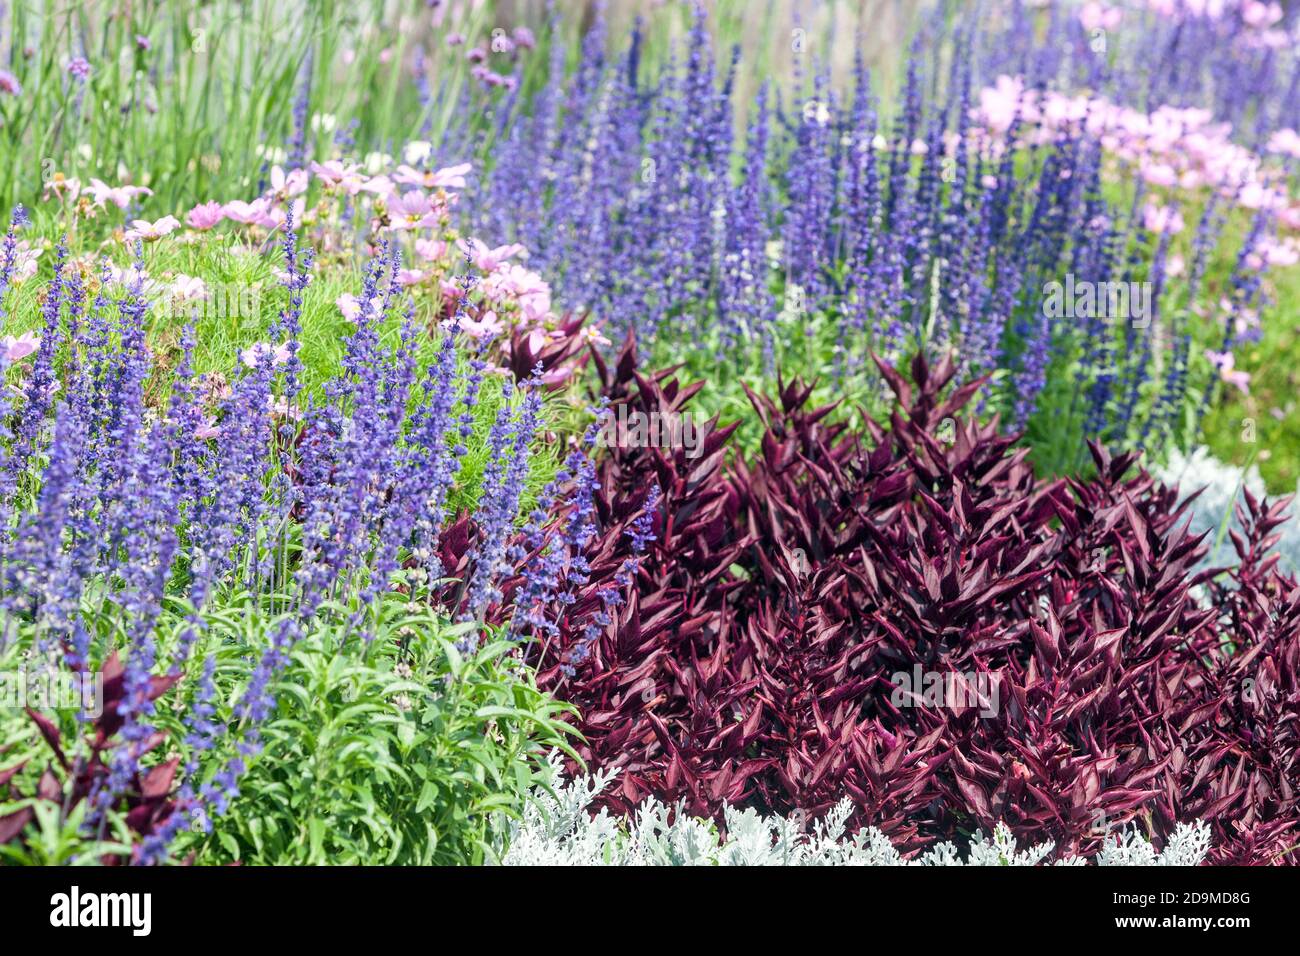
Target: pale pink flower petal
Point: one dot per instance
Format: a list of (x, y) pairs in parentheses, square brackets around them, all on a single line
[(349, 305), (19, 347), (205, 215)]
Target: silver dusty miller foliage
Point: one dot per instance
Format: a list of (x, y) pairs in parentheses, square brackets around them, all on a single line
[(1221, 488), (557, 830)]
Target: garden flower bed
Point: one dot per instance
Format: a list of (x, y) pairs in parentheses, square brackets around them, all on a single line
[(432, 438)]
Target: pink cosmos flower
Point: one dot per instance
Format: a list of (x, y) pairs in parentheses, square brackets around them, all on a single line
[(1255, 195), (1060, 110), (512, 282), (410, 176), (558, 374), (536, 308), (1171, 146), (999, 103), (287, 185), (19, 347), (334, 171), (205, 215), (1161, 219), (62, 186), (25, 260), (119, 196), (450, 177), (255, 213), (1272, 253), (134, 277), (279, 407), (536, 340), (430, 249), (1211, 9), (152, 231), (380, 186), (279, 217), (489, 260), (1159, 174), (285, 277), (209, 429), (1225, 362), (349, 305), (1271, 40), (409, 277), (1099, 16), (188, 288), (253, 355), (451, 291), (414, 210), (488, 325), (1285, 141), (1260, 15), (1290, 216), (355, 183)]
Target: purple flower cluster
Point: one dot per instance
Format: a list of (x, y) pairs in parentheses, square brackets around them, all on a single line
[(640, 533), (551, 551), (928, 230), (9, 253), (509, 450), (155, 510)]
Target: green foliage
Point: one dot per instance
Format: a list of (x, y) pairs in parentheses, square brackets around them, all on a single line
[(397, 749), (238, 276), (804, 347), (1262, 428), (56, 839), (202, 129), (388, 745)]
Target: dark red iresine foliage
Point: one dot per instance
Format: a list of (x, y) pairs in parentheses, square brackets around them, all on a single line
[(793, 616), (558, 355), (74, 777)]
